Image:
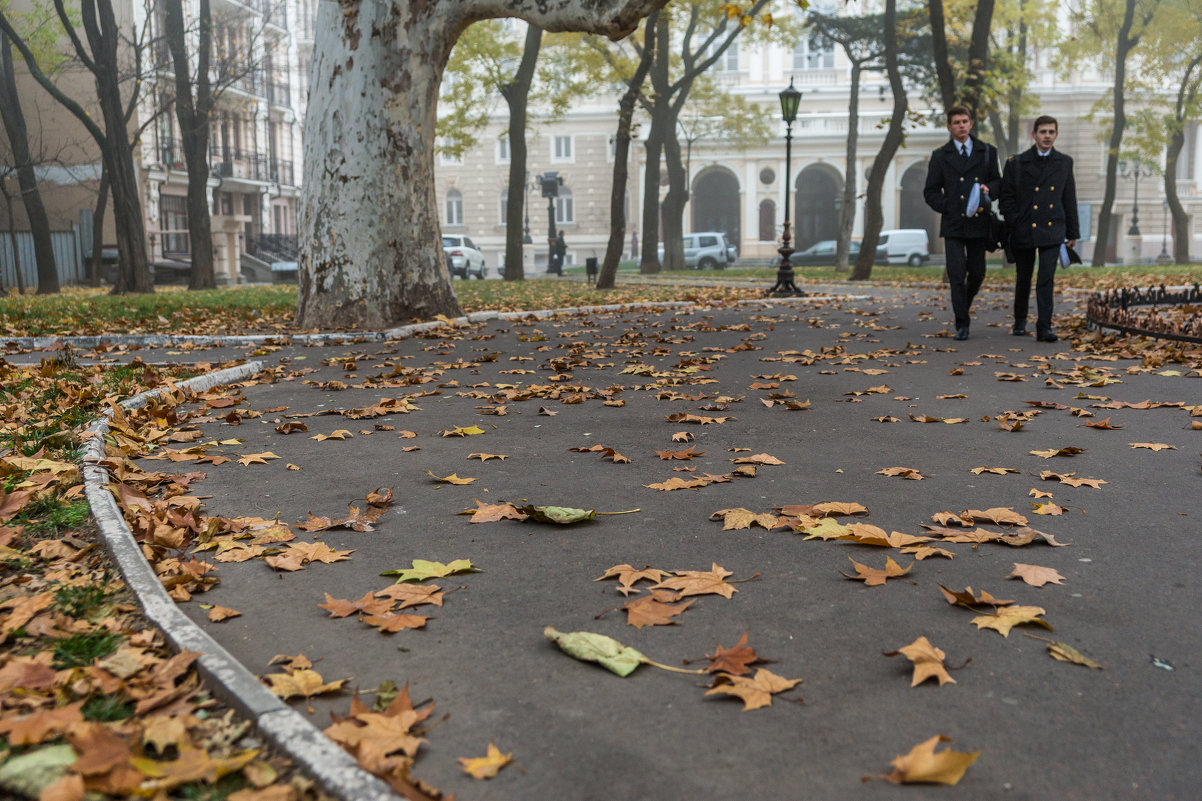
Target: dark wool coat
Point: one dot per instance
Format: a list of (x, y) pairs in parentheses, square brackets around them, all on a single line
[(950, 177), (1039, 199)]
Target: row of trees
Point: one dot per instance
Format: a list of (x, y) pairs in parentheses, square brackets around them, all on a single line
[(376, 101), (60, 42)]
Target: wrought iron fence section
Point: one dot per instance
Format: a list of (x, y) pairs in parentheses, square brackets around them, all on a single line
[(1141, 311)]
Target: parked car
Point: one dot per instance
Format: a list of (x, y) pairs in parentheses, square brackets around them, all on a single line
[(463, 257), (707, 250), (822, 254), (904, 246)]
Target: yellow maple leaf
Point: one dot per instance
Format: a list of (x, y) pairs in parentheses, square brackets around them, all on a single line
[(755, 692), (1007, 617), (923, 766), (451, 479), (304, 683), (486, 767)]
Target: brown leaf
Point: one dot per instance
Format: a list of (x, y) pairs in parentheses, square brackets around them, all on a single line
[(1050, 452), (902, 472), (682, 436), (304, 683), (835, 509), (678, 483), (1001, 515), (628, 576), (1007, 617), (1035, 575), (697, 582), (648, 611), (492, 512), (220, 613), (392, 622), (484, 457), (874, 577), (1001, 471), (1102, 424), (340, 607), (927, 660), (486, 767), (688, 453), (1070, 480), (966, 597), (756, 692), (759, 458), (412, 594), (1154, 446), (733, 661), (737, 519), (923, 766), (451, 479)]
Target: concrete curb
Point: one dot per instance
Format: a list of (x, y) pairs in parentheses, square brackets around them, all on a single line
[(285, 728)]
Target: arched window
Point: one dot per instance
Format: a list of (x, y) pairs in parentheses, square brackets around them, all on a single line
[(564, 211), (768, 221), (454, 207)]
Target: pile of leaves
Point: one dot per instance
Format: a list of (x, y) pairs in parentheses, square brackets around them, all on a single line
[(91, 698)]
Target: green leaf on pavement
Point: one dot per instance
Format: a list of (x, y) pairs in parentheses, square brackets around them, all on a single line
[(563, 515), (605, 651), (423, 569)]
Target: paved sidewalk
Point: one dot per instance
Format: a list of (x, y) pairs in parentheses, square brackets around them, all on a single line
[(1046, 729)]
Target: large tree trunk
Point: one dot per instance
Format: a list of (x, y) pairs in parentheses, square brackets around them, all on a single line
[(847, 209), (617, 198), (102, 199), (18, 137), (12, 238), (1181, 235), (193, 115), (873, 215), (649, 258), (515, 96), (1123, 45), (371, 254), (674, 202)]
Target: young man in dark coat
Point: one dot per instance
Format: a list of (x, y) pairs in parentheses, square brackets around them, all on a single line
[(951, 174), (1039, 201)]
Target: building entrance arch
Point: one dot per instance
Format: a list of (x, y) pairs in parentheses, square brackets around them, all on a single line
[(716, 205), (914, 211), (819, 196)]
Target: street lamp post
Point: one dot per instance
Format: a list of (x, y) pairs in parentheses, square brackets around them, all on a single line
[(1134, 169), (790, 99), (550, 183), (526, 240), (1164, 257)]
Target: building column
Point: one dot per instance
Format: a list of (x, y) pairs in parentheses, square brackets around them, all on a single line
[(751, 205)]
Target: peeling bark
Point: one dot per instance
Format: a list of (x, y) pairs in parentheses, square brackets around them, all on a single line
[(371, 254)]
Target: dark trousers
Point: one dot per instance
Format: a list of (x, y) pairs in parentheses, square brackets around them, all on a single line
[(1024, 260), (965, 272)]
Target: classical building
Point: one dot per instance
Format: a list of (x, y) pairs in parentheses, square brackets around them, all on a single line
[(742, 192), (262, 50)]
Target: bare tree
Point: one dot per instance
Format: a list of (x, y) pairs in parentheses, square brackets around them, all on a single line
[(515, 94), (101, 56), (873, 215), (18, 137), (617, 198)]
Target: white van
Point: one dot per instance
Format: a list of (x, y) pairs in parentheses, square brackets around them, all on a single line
[(904, 246)]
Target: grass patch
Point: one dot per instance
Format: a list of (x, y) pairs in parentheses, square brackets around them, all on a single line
[(271, 309), (48, 516), (107, 708), (80, 601), (81, 650), (220, 790)]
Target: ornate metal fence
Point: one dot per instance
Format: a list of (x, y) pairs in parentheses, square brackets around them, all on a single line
[(1161, 312)]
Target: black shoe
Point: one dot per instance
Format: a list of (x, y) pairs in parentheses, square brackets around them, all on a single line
[(1019, 330), (1047, 336), (961, 334)]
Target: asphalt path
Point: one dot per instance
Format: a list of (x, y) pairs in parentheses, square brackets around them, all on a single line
[(1045, 729)]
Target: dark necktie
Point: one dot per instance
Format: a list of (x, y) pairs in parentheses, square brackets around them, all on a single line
[(964, 151)]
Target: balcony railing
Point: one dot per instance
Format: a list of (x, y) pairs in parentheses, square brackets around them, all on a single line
[(279, 93), (281, 172)]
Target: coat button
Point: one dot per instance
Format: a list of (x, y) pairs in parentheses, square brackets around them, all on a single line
[(1049, 222), (1035, 207), (1052, 189), (961, 177), (1032, 225), (1051, 205)]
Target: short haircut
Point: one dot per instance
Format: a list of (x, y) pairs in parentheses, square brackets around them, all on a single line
[(958, 111), (1045, 119)]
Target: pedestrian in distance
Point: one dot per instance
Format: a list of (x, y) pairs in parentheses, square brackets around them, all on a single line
[(1039, 202), (559, 249), (962, 179)]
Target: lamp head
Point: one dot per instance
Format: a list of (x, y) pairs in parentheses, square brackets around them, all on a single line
[(790, 99)]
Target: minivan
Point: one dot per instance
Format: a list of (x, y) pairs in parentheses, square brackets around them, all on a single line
[(904, 246)]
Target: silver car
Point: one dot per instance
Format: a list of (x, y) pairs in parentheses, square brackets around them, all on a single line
[(463, 257), (706, 250)]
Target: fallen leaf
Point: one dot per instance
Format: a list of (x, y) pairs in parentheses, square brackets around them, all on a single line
[(560, 515), (966, 597), (486, 767), (461, 431), (423, 569), (1050, 452), (1154, 446), (1102, 424), (341, 433), (1064, 652), (392, 622), (759, 458), (836, 509), (451, 479), (685, 455), (628, 576), (754, 692), (1035, 575), (698, 582), (368, 605), (902, 472), (923, 766), (650, 611), (484, 457), (1001, 515), (412, 594), (927, 660), (682, 436), (1071, 480), (738, 519), (732, 661), (605, 651), (304, 683), (874, 577), (1007, 617), (493, 512), (220, 613), (1001, 471)]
